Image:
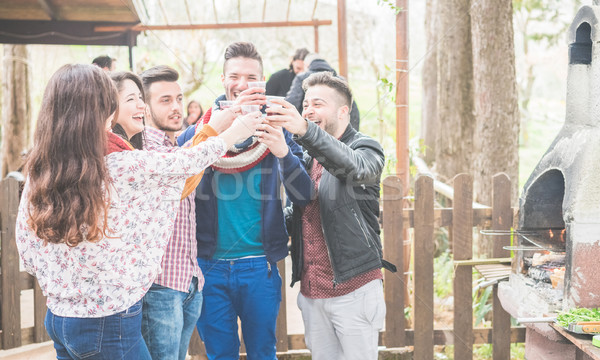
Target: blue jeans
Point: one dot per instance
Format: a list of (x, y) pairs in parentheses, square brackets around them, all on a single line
[(111, 337), (168, 320), (246, 288)]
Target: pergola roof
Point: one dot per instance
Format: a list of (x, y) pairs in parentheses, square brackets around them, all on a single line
[(67, 22)]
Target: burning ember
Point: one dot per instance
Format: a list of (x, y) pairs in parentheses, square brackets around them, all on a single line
[(543, 266), (560, 237)]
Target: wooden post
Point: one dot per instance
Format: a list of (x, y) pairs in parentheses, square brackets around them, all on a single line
[(132, 39), (402, 164), (393, 236), (39, 313), (16, 108), (11, 291), (423, 268), (462, 248), (342, 38), (316, 38), (502, 219), (402, 92), (281, 332)]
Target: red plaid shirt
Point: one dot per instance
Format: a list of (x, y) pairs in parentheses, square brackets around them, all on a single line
[(317, 273), (179, 263)]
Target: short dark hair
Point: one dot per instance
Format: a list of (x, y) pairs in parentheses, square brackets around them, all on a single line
[(156, 74), (103, 61), (327, 78), (244, 50), (300, 54)]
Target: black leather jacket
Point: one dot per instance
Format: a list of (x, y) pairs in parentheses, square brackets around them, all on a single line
[(349, 202)]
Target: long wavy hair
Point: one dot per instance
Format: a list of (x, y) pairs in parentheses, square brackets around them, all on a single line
[(138, 140), (68, 202)]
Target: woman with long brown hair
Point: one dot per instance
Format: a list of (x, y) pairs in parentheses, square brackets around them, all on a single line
[(95, 217)]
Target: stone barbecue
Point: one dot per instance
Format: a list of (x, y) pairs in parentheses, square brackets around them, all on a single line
[(558, 264)]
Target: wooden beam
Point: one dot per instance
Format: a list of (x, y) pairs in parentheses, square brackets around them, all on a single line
[(213, 26), (23, 12), (98, 14), (343, 39), (49, 9), (440, 337), (61, 32), (443, 217)]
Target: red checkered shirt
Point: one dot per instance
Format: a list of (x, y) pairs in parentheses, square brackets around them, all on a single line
[(179, 263), (317, 273)]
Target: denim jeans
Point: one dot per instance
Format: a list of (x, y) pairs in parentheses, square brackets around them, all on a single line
[(168, 320), (111, 337), (249, 288)]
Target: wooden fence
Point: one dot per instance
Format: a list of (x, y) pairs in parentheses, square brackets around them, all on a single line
[(424, 218), (13, 281)]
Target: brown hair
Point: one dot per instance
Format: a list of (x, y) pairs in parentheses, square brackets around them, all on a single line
[(67, 171), (156, 74), (244, 50), (326, 78), (137, 140)]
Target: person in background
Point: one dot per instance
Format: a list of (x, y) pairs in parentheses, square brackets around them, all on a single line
[(194, 113), (315, 63), (240, 225), (105, 62), (95, 217), (336, 249), (130, 120), (279, 83)]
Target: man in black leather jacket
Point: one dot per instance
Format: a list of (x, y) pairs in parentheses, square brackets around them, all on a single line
[(336, 249)]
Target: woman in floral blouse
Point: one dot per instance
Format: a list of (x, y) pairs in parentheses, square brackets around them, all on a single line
[(94, 216)]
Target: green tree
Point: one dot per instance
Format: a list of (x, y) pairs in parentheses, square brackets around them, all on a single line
[(531, 19)]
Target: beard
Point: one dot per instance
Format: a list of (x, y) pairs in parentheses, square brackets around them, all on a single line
[(163, 124)]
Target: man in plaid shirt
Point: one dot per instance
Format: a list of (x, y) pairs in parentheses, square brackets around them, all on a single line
[(174, 302)]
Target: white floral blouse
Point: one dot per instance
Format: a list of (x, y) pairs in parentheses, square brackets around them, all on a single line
[(103, 278)]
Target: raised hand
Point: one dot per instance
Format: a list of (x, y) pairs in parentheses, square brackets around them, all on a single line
[(252, 96), (273, 137), (287, 117), (221, 120)]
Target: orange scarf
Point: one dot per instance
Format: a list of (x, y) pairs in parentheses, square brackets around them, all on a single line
[(192, 182)]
